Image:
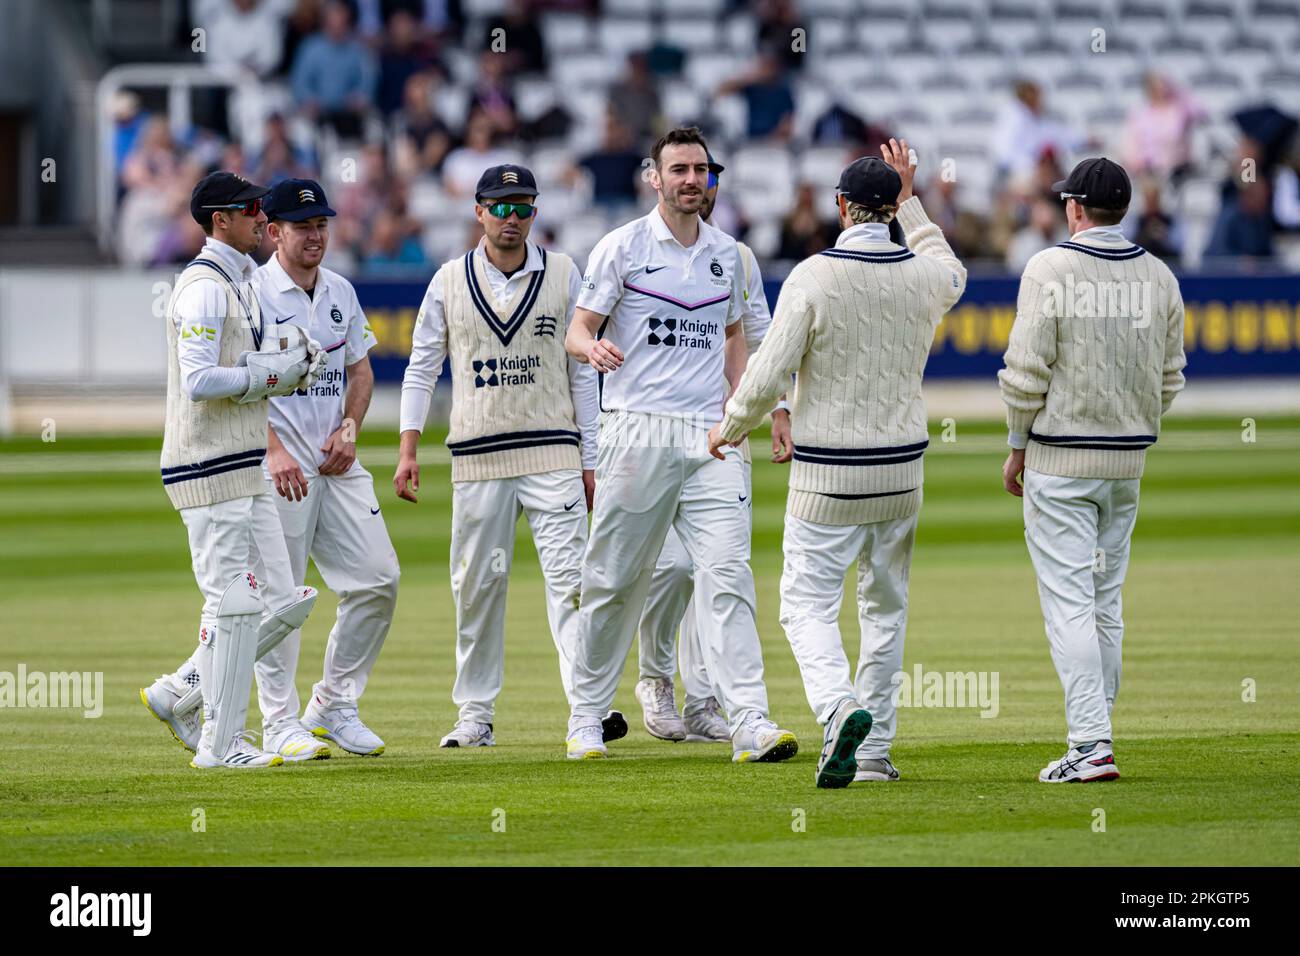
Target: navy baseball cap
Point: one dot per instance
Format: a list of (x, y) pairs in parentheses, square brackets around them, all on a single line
[(1099, 183), (221, 190), (871, 182), (508, 180), (294, 200)]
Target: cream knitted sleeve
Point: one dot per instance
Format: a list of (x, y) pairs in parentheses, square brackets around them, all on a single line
[(1031, 353), (1175, 357), (926, 239), (782, 351)]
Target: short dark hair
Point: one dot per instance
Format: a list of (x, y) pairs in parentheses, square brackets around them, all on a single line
[(1104, 217), (205, 220), (681, 136)]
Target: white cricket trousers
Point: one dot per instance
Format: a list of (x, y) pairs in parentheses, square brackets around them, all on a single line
[(339, 525), (653, 473), (817, 556), (483, 519), (227, 539), (1078, 532), (669, 606)]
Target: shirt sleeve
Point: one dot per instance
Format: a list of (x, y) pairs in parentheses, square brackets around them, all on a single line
[(428, 351), (777, 359), (200, 314), (360, 337), (583, 384), (602, 286), (756, 317), (924, 238), (736, 304), (1030, 357)]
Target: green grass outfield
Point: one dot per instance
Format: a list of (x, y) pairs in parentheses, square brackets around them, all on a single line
[(97, 578)]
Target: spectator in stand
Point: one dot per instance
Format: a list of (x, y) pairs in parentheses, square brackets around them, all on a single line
[(1046, 228), (966, 231), (803, 232), (280, 159), (463, 166), (421, 141), (1155, 227), (128, 122), (391, 248), (440, 22), (777, 19), (492, 94), (525, 49), (154, 161), (1157, 134), (404, 54), (1245, 223), (246, 36), (303, 21), (1024, 132), (334, 74), (768, 96), (635, 99), (614, 169)]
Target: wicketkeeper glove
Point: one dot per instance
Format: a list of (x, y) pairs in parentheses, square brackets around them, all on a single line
[(271, 374), (317, 359)]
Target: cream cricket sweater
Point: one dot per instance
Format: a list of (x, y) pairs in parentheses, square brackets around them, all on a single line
[(512, 402), (856, 322), (1095, 356), (212, 450)]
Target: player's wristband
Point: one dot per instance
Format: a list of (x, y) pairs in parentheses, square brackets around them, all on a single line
[(782, 406)]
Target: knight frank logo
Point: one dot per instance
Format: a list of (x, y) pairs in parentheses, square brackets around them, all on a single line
[(545, 325), (667, 337), (510, 370), (485, 373)]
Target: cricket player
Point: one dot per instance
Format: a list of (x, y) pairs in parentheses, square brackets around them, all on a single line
[(665, 295), (522, 438), (1094, 360), (326, 499), (669, 604), (856, 322), (223, 365)]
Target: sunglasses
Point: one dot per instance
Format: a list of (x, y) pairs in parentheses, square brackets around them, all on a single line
[(1065, 196), (250, 208), (502, 210)]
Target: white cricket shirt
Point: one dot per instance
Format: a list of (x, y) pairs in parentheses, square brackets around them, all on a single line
[(668, 308), (333, 317)]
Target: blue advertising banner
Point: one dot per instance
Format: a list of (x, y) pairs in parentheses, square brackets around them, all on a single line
[(1235, 325)]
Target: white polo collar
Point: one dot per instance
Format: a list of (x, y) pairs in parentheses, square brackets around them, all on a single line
[(1101, 234), (229, 256), (865, 232), (659, 229), (532, 258), (283, 282)]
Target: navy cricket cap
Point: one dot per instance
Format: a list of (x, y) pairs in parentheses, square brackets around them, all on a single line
[(871, 182), (294, 200), (221, 189), (507, 180), (1099, 183), (714, 166)]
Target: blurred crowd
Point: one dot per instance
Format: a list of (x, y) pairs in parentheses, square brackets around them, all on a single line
[(363, 80)]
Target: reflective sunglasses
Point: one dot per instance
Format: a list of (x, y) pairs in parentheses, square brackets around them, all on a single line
[(250, 208), (502, 210)]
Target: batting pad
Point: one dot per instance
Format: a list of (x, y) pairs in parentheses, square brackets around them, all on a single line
[(232, 647), (272, 631)]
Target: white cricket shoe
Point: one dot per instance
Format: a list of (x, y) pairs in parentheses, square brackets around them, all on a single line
[(241, 755), (875, 769), (469, 733), (291, 740), (161, 697), (341, 724), (659, 708), (1086, 764), (761, 741), (706, 725), (838, 764), (586, 743)]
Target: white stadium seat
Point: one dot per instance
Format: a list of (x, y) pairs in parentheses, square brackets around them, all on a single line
[(564, 32), (625, 35), (694, 34)]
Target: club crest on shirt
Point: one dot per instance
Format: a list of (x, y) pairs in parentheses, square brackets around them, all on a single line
[(719, 274), (336, 315), (544, 325)]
